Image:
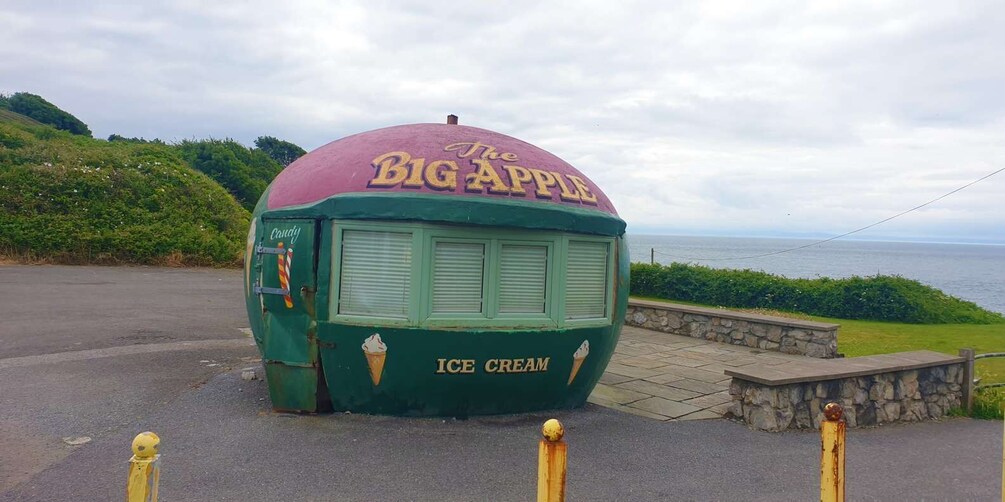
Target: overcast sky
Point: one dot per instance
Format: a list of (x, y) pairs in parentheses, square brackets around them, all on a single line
[(709, 118)]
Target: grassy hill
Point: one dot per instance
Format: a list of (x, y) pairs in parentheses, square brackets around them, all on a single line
[(36, 107), (17, 118), (72, 199)]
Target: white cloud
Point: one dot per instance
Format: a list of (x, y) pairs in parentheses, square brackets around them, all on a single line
[(707, 117)]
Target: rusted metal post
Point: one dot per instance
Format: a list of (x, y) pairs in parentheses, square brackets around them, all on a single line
[(144, 469), (832, 434), (968, 379), (551, 463), (652, 256)]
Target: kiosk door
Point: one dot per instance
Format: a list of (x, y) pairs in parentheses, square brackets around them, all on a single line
[(286, 258)]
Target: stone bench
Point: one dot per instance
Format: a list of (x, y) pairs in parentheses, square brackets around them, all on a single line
[(901, 387), (782, 334)]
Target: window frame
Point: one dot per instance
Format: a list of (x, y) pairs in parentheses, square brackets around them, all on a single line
[(424, 235), (338, 228)]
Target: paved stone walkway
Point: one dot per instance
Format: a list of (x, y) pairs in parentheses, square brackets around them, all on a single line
[(670, 377)]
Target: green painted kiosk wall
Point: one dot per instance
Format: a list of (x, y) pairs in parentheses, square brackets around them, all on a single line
[(411, 303)]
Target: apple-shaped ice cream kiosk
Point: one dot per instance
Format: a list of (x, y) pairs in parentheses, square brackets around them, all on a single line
[(434, 269)]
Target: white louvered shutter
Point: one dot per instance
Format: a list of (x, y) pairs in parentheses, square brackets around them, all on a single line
[(376, 273), (586, 280), (458, 272), (523, 274)]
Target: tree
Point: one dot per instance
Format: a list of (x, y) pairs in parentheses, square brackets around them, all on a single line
[(33, 106), (281, 151), (245, 172)]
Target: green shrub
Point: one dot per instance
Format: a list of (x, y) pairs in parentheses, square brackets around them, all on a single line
[(75, 199), (882, 298)]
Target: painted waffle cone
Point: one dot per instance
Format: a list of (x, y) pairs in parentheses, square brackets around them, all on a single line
[(376, 362), (576, 364)]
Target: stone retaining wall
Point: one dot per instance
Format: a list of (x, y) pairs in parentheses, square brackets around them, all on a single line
[(791, 336), (901, 396)]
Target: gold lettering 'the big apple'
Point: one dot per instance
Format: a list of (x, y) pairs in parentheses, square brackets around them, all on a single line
[(395, 169), (465, 150)]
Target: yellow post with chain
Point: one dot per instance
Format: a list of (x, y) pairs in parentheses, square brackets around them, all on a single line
[(144, 468), (551, 463), (832, 435)]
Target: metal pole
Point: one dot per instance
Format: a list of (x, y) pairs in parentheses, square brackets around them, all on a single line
[(144, 469), (1003, 460), (551, 463), (832, 435), (968, 380), (652, 256)]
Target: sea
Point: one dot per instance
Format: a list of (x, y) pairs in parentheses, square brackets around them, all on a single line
[(974, 272)]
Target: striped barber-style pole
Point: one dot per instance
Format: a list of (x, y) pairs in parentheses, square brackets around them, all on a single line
[(285, 262)]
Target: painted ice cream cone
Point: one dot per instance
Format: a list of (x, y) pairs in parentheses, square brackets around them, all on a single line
[(376, 362), (577, 359), (376, 354), (576, 363)]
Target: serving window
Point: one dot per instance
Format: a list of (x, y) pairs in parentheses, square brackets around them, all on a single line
[(586, 279), (523, 278), (376, 273), (458, 270), (450, 276)]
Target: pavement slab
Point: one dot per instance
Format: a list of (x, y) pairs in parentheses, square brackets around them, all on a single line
[(655, 389), (664, 407), (617, 394), (708, 401), (643, 362), (614, 379), (631, 371), (698, 386), (701, 415)]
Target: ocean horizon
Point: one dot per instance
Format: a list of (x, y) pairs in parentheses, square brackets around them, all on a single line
[(970, 271)]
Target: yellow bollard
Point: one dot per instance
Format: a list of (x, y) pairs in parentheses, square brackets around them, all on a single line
[(551, 463), (832, 433), (144, 469)]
